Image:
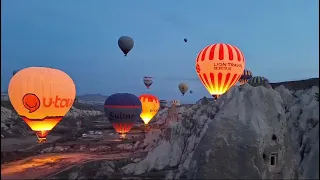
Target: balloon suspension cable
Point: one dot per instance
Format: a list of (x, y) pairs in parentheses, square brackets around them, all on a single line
[(215, 97), (146, 128)]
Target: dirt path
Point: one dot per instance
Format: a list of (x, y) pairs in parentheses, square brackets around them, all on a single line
[(41, 166)]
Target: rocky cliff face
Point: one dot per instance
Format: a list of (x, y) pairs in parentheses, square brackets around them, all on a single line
[(248, 133)]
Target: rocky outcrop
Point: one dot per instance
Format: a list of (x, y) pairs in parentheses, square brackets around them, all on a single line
[(248, 133), (12, 124)]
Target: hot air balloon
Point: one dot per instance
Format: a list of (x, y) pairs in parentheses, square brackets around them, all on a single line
[(125, 43), (147, 80), (191, 91), (122, 110), (245, 77), (219, 67), (259, 81), (163, 104), (41, 96), (175, 103), (183, 87), (150, 107), (185, 40)]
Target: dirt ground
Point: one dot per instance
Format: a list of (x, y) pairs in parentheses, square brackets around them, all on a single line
[(42, 166), (13, 144)]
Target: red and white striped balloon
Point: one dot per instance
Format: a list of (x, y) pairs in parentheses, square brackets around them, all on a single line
[(219, 67)]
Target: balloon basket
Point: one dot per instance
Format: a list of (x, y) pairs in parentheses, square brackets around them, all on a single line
[(42, 136), (146, 128), (42, 140), (122, 136)]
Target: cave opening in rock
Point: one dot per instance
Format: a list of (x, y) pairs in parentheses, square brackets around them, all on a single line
[(264, 156), (273, 159), (274, 137)]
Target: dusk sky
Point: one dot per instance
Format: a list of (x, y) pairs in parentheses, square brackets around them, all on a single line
[(279, 39)]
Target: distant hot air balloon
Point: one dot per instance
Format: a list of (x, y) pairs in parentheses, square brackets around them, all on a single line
[(175, 103), (150, 107), (147, 80), (245, 77), (122, 110), (125, 43), (259, 81), (163, 104), (183, 87), (185, 40), (191, 91), (219, 67), (41, 96)]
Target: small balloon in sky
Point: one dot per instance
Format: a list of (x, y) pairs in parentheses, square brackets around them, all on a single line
[(147, 80), (125, 43), (185, 40), (183, 87)]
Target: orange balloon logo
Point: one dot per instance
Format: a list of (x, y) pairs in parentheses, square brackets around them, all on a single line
[(150, 107), (41, 96), (219, 67), (31, 102)]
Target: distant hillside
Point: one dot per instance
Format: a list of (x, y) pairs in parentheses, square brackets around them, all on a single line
[(298, 85), (92, 97)]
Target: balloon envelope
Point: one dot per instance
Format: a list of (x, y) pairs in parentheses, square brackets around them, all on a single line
[(163, 103), (125, 43), (175, 103), (185, 40), (259, 81), (122, 110), (246, 75), (219, 67), (147, 80), (150, 107), (41, 96), (183, 87)]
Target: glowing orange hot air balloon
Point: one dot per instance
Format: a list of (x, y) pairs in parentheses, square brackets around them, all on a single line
[(219, 67), (41, 96), (150, 107)]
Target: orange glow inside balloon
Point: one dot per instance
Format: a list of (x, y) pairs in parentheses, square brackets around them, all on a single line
[(41, 96), (219, 67), (122, 128), (150, 107)]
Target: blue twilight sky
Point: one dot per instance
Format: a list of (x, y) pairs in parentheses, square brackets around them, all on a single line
[(279, 39)]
